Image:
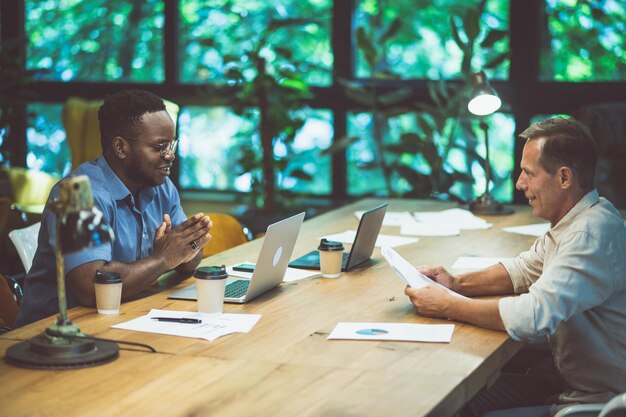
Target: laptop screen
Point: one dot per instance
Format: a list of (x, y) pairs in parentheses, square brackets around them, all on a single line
[(366, 236)]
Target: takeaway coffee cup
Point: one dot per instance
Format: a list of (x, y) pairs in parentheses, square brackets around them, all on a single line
[(331, 256), (108, 292), (210, 282)]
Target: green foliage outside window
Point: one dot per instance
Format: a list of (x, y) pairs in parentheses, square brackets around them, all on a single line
[(215, 32), (423, 46), (96, 40), (46, 137), (585, 41), (416, 149)]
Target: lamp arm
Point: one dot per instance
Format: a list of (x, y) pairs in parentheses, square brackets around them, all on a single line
[(485, 128)]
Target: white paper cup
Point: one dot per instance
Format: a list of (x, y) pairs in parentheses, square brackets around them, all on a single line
[(108, 287), (331, 257), (210, 283)]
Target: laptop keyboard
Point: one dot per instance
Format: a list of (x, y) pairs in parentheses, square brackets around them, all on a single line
[(237, 288), (344, 260)]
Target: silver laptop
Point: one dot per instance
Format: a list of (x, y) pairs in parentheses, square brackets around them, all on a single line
[(270, 267)]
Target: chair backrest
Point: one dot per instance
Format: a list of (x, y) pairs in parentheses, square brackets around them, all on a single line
[(615, 408), (82, 127), (226, 233), (29, 188), (25, 241)]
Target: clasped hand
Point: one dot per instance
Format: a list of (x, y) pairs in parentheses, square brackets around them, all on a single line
[(176, 244)]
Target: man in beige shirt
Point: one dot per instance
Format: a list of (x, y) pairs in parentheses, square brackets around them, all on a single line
[(571, 283)]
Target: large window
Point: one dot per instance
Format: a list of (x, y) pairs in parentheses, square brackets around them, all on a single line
[(585, 41), (96, 40), (219, 36), (367, 97)]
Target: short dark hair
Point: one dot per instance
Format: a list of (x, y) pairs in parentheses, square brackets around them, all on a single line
[(569, 143), (121, 112)]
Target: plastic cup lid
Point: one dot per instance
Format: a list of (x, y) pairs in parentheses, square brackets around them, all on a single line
[(107, 277), (211, 272), (330, 245)]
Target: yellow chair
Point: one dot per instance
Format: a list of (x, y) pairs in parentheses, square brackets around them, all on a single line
[(80, 120), (29, 188), (226, 233)]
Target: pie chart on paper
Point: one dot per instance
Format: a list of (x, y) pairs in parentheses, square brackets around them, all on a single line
[(371, 332)]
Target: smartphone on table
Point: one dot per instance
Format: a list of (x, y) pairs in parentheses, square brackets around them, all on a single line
[(244, 268)]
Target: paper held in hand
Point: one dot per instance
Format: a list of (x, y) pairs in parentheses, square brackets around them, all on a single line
[(409, 273)]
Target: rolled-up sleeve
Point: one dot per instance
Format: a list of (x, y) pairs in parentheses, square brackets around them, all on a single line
[(525, 269), (576, 279)]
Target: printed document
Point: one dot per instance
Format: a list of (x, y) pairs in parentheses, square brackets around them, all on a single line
[(407, 332), (211, 326), (409, 273)]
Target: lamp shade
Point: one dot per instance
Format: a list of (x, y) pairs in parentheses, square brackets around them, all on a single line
[(484, 99)]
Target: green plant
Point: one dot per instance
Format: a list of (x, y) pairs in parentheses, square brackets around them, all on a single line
[(271, 90), (416, 162)]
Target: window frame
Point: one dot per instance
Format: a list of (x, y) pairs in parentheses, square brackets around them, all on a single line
[(524, 93)]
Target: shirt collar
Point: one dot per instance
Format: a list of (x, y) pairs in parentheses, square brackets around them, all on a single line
[(588, 200), (118, 190)]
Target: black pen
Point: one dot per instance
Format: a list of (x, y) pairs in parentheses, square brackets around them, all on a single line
[(177, 320)]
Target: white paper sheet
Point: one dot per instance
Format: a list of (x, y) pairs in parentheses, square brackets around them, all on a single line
[(409, 332), (212, 326), (392, 218), (530, 229), (409, 273), (381, 240), (462, 219), (475, 262), (415, 228)]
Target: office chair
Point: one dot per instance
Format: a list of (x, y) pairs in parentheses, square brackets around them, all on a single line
[(9, 304), (227, 232), (82, 127), (25, 241), (614, 408)]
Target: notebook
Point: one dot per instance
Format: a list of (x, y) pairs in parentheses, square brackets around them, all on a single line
[(270, 268), (362, 247)]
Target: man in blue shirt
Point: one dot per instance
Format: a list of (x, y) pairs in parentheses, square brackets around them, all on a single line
[(131, 188)]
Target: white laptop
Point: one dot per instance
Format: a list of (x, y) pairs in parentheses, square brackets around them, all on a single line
[(270, 267)]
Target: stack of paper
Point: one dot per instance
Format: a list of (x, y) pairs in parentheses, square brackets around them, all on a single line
[(211, 326), (382, 240), (530, 229)]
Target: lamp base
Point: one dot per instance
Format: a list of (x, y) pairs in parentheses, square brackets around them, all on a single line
[(53, 350), (487, 205)]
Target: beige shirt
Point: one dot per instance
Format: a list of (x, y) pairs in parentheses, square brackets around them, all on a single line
[(573, 288)]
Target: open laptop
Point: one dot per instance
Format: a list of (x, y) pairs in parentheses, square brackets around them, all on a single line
[(270, 267), (362, 247)]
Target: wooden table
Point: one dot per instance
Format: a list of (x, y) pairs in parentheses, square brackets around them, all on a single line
[(285, 366)]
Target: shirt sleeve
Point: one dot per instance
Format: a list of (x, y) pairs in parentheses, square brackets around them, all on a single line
[(526, 268), (576, 279)]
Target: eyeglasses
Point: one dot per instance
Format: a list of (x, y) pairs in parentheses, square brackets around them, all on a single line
[(164, 148)]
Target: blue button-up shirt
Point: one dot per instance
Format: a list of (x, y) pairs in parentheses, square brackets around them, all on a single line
[(134, 223)]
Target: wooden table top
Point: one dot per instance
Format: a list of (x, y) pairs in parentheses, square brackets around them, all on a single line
[(285, 366)]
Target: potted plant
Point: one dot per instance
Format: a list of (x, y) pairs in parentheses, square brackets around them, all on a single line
[(419, 158)]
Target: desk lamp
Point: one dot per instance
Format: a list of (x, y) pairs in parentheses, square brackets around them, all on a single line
[(483, 102), (79, 225)]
